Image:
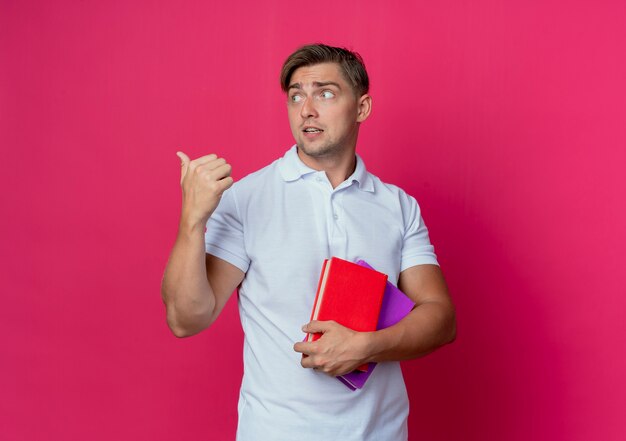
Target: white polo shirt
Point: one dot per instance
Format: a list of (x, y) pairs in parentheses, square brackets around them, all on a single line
[(278, 225)]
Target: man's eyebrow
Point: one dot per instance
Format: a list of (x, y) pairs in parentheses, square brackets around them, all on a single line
[(316, 84), (326, 83)]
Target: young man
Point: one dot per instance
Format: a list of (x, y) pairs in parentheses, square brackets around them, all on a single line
[(268, 235)]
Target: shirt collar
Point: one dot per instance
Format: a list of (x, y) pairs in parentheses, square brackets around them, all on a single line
[(292, 168)]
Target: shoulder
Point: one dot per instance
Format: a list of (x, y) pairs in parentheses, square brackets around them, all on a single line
[(392, 194), (249, 185), (251, 190), (262, 177)]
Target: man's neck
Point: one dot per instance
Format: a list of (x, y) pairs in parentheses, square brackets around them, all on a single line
[(337, 167)]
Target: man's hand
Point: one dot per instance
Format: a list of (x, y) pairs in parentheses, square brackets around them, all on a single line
[(203, 181), (340, 350)]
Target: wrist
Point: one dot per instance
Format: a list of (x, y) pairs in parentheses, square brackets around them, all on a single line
[(367, 346), (191, 226)]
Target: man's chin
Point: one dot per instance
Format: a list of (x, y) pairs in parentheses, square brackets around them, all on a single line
[(316, 151)]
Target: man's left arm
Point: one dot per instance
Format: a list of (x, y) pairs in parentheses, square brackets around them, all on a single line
[(429, 325)]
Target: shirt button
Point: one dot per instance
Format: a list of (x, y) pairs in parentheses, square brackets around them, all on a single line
[(335, 216), (318, 179)]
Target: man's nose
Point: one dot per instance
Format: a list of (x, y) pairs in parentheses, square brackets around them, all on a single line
[(308, 109)]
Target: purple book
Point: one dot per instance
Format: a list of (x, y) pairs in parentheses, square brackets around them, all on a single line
[(396, 305)]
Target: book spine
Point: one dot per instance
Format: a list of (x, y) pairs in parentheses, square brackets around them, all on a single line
[(310, 337)]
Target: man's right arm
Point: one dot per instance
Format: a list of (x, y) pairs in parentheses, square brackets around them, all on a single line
[(197, 285)]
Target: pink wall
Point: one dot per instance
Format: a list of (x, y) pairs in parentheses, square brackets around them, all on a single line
[(507, 120)]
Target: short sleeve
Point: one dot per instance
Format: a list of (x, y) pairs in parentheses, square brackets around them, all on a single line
[(224, 233), (416, 248)]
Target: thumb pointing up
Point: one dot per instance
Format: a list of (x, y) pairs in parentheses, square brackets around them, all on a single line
[(184, 164)]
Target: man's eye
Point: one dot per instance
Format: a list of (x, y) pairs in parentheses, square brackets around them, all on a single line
[(296, 98), (327, 94)]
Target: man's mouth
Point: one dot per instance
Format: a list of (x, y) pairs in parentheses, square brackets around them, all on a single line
[(312, 130)]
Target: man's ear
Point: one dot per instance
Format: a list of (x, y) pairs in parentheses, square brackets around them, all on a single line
[(365, 108)]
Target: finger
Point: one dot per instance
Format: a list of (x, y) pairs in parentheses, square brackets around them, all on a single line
[(184, 164), (214, 171), (303, 348), (184, 159), (316, 326), (203, 160), (225, 183), (307, 362), (222, 171), (210, 164), (310, 362)]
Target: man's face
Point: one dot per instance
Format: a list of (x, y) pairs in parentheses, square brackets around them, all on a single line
[(324, 113)]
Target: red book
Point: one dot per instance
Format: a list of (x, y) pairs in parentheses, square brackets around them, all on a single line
[(349, 294)]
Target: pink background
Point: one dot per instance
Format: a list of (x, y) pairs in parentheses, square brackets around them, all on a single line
[(507, 121)]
